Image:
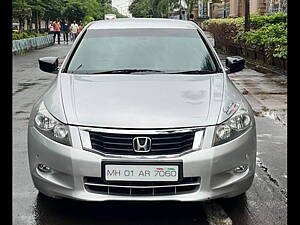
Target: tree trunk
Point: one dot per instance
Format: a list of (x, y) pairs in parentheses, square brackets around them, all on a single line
[(36, 23), (39, 25), (21, 24), (247, 15), (47, 26), (30, 24)]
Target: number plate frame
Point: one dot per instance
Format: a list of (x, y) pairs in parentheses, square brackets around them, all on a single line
[(146, 163)]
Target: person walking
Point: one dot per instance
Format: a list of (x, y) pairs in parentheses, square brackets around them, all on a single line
[(51, 29), (65, 30), (80, 28), (56, 26), (74, 29), (192, 18)]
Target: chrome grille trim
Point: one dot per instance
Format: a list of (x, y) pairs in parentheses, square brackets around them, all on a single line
[(86, 140)]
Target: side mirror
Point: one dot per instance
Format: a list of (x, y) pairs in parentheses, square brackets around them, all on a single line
[(235, 64), (49, 64)]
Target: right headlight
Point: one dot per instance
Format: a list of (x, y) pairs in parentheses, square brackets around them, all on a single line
[(233, 127), (46, 124)]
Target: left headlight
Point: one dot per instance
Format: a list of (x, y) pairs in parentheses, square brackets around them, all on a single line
[(233, 127), (45, 123)]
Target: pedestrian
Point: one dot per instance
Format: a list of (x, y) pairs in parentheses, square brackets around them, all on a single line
[(51, 29), (80, 28), (65, 30), (182, 15), (56, 26), (192, 18), (74, 29)]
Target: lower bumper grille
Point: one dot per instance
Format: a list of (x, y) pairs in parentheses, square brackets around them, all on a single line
[(96, 185)]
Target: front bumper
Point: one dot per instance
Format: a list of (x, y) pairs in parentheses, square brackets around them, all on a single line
[(213, 165)]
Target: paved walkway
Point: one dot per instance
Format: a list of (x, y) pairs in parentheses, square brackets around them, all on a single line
[(266, 92)]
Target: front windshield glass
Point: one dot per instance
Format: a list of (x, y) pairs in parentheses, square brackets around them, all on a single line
[(161, 50)]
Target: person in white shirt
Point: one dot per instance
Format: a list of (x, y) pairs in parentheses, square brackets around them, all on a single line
[(51, 29), (74, 30)]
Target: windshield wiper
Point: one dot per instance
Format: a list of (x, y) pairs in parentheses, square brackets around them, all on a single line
[(126, 71), (193, 72)]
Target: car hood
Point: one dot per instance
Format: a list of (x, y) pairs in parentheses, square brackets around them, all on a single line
[(142, 101)]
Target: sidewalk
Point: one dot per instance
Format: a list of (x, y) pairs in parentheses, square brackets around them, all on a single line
[(266, 92)]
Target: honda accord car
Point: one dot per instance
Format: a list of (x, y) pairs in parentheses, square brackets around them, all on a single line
[(142, 109)]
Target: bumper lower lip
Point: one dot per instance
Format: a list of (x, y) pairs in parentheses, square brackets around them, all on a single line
[(71, 164)]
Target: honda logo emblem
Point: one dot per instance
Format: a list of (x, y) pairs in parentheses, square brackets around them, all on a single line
[(141, 144)]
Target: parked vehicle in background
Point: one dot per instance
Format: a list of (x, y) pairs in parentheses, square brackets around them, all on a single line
[(110, 16), (15, 27)]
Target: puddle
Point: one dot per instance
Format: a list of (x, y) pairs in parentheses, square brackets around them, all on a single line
[(24, 86), (21, 112), (270, 93), (279, 116), (27, 84)]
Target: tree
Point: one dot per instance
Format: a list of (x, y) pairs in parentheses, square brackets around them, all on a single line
[(74, 11), (247, 15), (53, 9), (164, 7), (38, 12), (141, 8), (21, 11), (190, 5)]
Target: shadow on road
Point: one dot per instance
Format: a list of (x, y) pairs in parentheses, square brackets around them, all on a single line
[(237, 209), (54, 211)]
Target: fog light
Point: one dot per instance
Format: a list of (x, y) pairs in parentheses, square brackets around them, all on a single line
[(44, 168), (240, 169)]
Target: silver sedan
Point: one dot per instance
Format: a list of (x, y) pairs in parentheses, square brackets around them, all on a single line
[(142, 109)]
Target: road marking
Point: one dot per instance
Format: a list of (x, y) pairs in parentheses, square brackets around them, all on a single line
[(215, 214)]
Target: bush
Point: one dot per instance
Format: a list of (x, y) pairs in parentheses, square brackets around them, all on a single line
[(87, 20), (270, 38), (239, 23), (26, 34), (219, 27), (268, 33), (260, 21)]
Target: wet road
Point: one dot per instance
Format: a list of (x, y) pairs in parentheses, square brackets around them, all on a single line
[(265, 203)]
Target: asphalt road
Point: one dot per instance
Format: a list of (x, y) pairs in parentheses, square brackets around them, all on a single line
[(265, 203)]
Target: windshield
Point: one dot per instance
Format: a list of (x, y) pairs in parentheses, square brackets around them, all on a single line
[(156, 50)]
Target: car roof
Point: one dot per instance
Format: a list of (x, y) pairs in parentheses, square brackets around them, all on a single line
[(126, 23)]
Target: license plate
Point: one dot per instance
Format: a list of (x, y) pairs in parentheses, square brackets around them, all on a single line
[(141, 172)]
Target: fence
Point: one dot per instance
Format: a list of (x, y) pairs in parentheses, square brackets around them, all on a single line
[(253, 54), (23, 45)]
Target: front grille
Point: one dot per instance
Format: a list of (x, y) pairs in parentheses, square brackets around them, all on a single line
[(96, 185), (161, 144)]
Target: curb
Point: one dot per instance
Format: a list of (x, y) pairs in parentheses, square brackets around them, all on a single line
[(263, 69), (24, 45)]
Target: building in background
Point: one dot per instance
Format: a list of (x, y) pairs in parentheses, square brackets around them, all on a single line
[(237, 7), (273, 6), (122, 6), (259, 7), (205, 9)]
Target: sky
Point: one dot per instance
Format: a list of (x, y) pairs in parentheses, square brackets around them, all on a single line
[(122, 6)]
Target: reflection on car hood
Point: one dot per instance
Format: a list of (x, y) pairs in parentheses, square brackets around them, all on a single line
[(142, 101)]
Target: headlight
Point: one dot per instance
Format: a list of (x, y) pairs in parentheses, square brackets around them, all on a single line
[(45, 123), (234, 126)]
